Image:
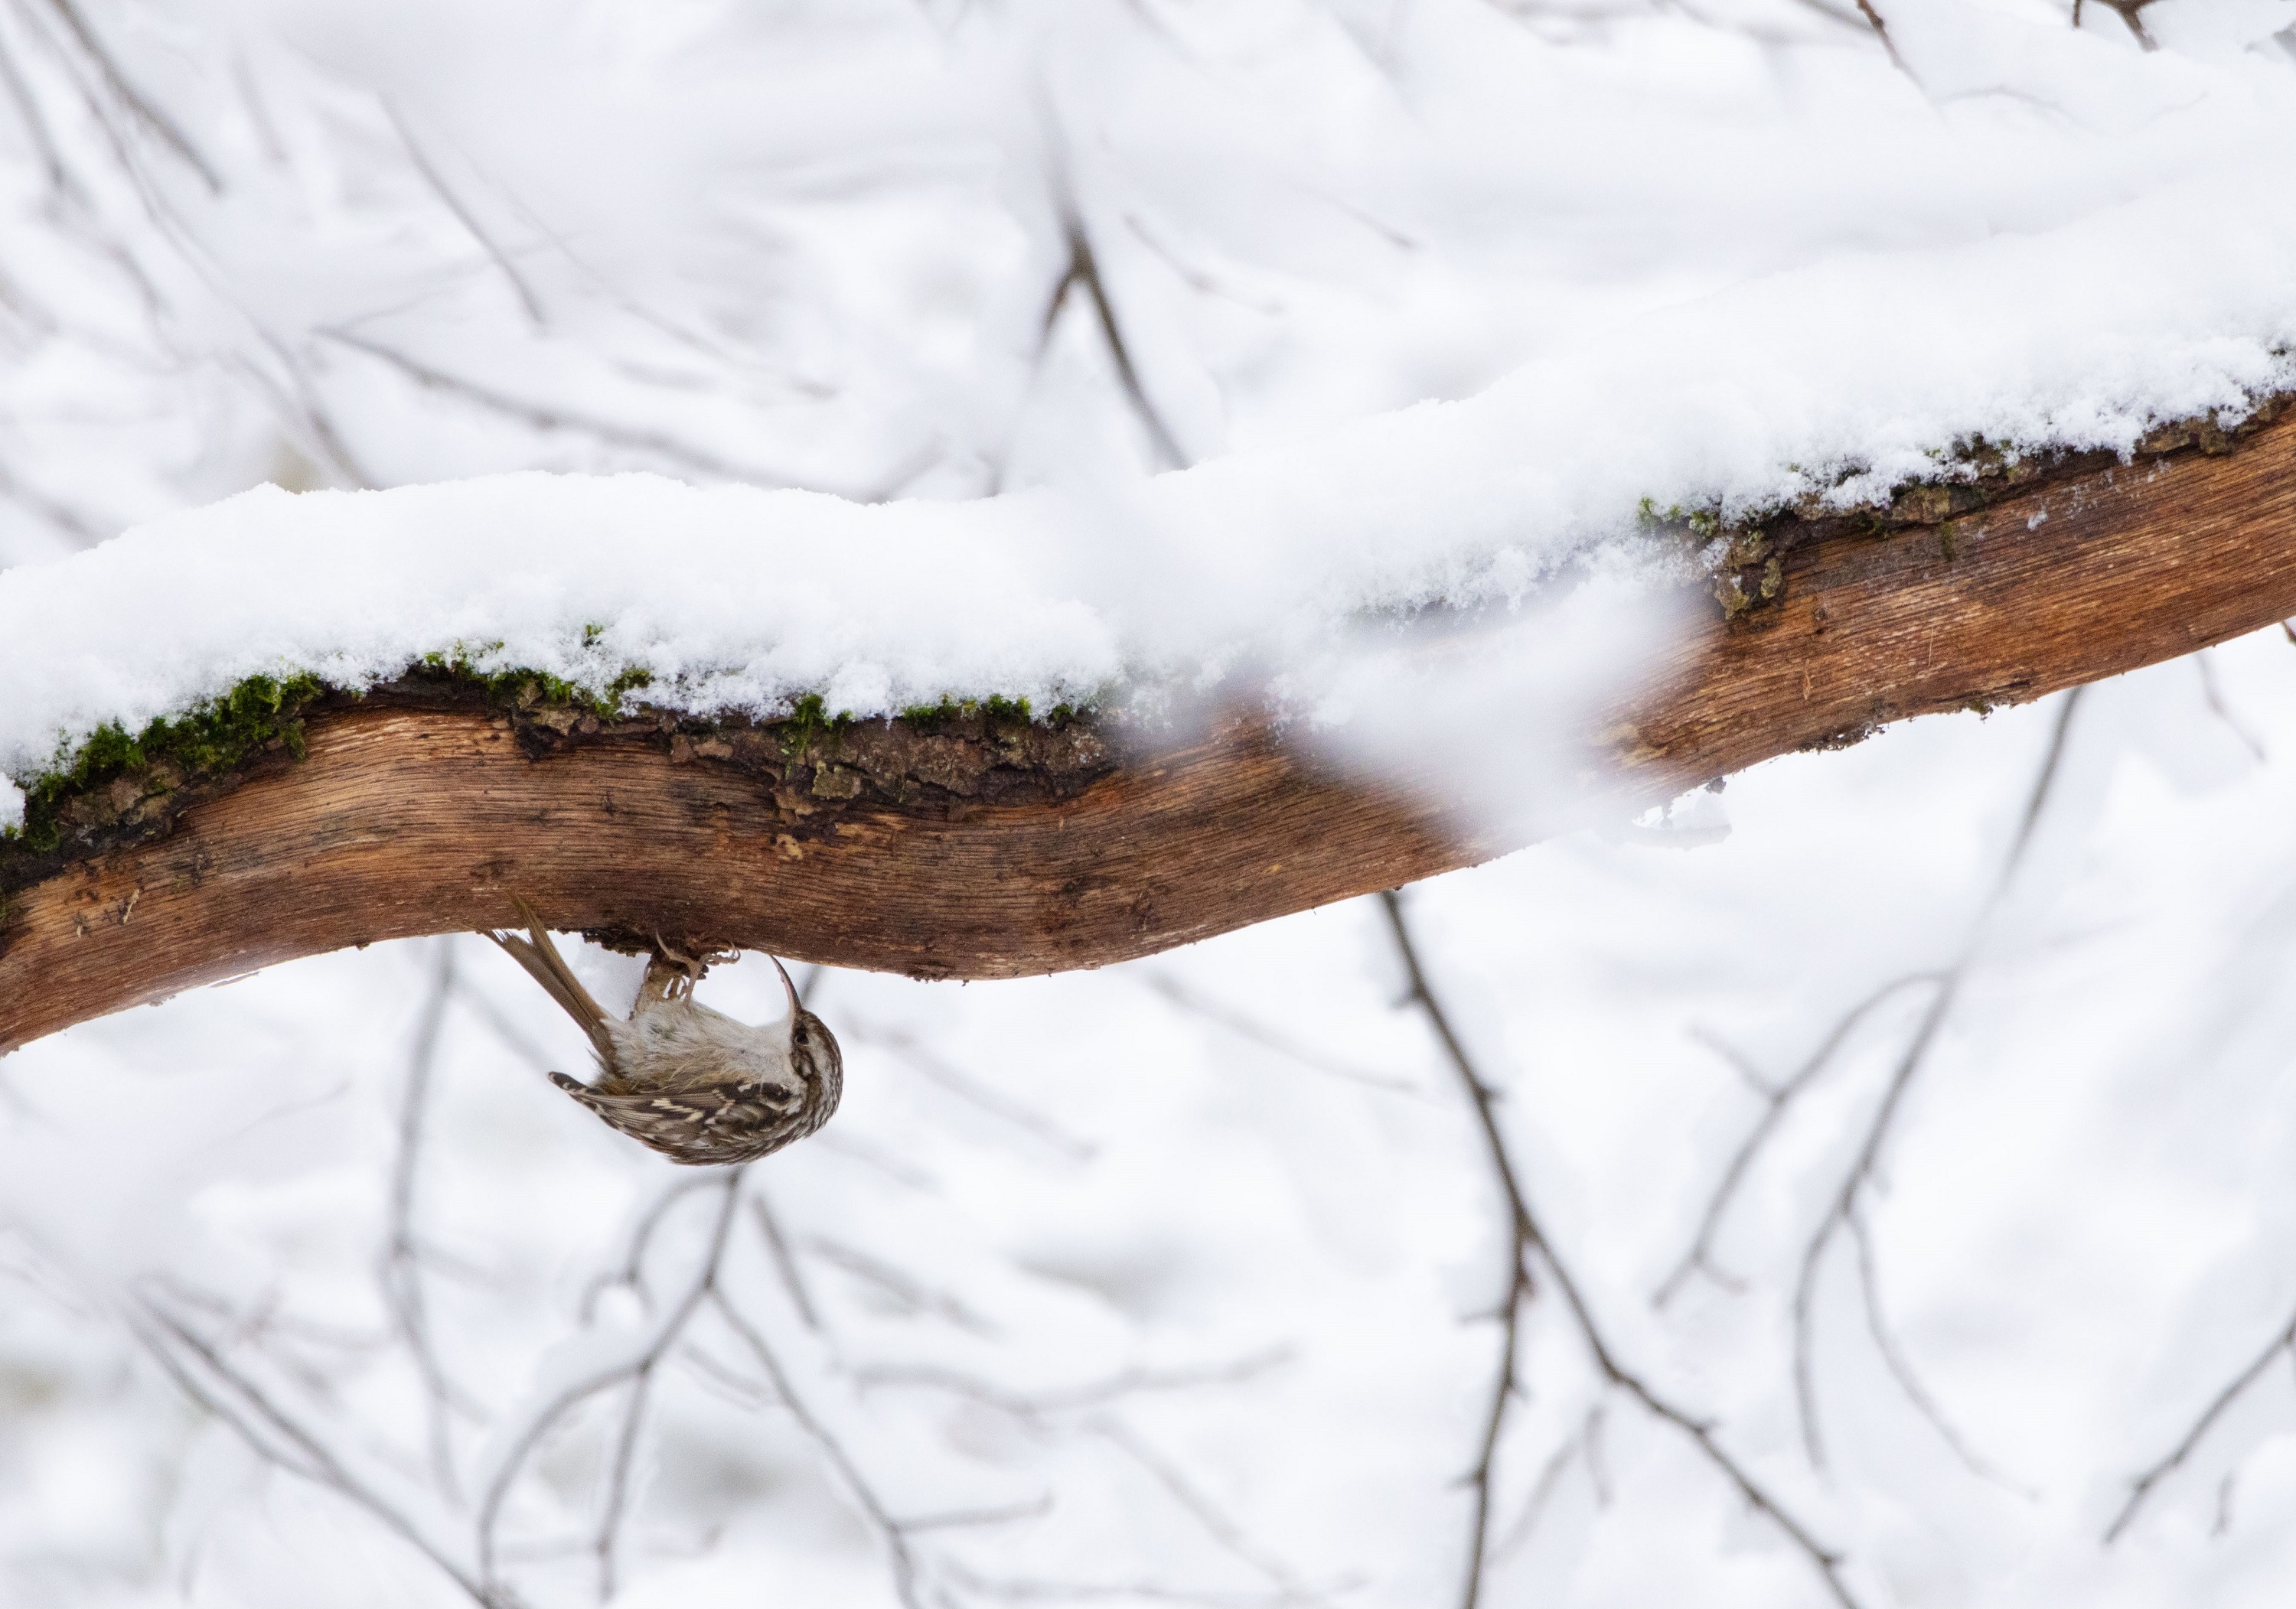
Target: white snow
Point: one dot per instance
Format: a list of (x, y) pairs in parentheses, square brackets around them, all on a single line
[(1716, 277)]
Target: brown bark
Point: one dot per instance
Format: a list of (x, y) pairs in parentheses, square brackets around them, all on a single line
[(990, 855)]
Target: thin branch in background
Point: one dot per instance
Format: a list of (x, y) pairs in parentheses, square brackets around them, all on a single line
[(669, 1327), (912, 1293), (891, 1532), (274, 1435), (2127, 11), (630, 1274), (606, 1540), (1041, 1412), (402, 1260), (777, 1246), (463, 216), (1521, 1236), (1843, 1203), (807, 979), (1901, 1367), (551, 419), (1199, 280), (140, 106), (2213, 692), (2143, 1485), (1778, 1099), (64, 519), (1881, 31), (724, 1378), (2044, 783), (24, 1260), (1125, 1382), (1860, 20), (1527, 1240), (1020, 1589), (1867, 1158), (60, 181), (1578, 1447), (1083, 272), (1248, 1028), (101, 115), (481, 1005), (896, 1533), (1217, 1522), (966, 1088), (882, 1159), (294, 399), (968, 1518)]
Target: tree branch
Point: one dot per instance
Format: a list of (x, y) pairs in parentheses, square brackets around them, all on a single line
[(1528, 1240), (989, 853)]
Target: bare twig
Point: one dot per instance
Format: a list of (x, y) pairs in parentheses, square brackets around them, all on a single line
[(1841, 1213), (911, 1293), (1580, 1444), (498, 1022), (1843, 1203), (1867, 1158), (970, 1090), (630, 1274), (1215, 1521), (777, 1245), (1040, 1410), (1527, 1239), (1246, 1027), (1038, 1405), (402, 1261), (1022, 1590), (2127, 11), (463, 216), (2204, 662), (140, 106), (1881, 31), (2143, 1486), (58, 514), (1777, 1098), (274, 1435), (551, 419), (1901, 1367), (1083, 272), (891, 1531), (60, 183), (636, 1369)]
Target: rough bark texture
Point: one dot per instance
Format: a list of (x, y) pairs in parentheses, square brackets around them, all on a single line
[(984, 847)]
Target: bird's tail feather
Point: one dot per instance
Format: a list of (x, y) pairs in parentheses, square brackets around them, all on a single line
[(546, 967)]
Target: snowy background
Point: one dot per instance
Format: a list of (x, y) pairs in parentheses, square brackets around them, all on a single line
[(1903, 1134)]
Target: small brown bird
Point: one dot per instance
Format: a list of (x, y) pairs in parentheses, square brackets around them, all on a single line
[(691, 1083)]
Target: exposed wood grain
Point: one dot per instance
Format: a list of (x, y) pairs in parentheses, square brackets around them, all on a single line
[(406, 820)]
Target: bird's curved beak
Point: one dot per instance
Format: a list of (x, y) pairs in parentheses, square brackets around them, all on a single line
[(789, 989)]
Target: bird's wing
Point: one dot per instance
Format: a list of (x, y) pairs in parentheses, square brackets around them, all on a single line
[(729, 1121), (546, 967)]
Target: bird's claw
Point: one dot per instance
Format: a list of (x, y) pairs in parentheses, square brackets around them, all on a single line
[(694, 967)]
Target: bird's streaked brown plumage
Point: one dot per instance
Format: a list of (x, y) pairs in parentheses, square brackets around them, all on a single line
[(691, 1083)]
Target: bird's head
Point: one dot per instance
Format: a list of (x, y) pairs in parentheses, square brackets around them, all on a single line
[(813, 1050)]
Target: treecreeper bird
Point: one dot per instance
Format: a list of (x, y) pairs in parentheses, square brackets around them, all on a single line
[(692, 1084)]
